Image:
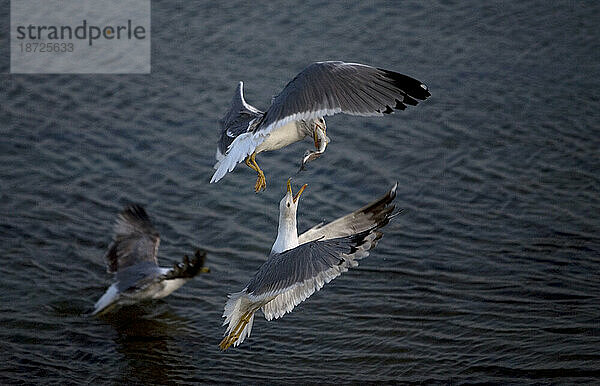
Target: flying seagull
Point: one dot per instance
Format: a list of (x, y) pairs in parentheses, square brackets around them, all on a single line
[(300, 265), (132, 257), (321, 89)]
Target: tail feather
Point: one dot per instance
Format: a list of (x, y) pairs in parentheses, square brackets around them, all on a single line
[(239, 333), (239, 315), (239, 149), (107, 300)]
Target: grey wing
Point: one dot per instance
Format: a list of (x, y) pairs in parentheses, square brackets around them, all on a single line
[(327, 88), (238, 120), (135, 240), (374, 214), (288, 278)]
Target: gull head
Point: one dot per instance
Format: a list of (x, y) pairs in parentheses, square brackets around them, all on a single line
[(289, 203), (287, 232)]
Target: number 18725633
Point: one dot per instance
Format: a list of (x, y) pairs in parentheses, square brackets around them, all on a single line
[(46, 47)]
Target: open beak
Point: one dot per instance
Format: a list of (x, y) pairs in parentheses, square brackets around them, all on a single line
[(298, 193)]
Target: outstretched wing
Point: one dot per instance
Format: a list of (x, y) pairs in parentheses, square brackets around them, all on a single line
[(288, 278), (375, 214), (327, 88), (135, 240)]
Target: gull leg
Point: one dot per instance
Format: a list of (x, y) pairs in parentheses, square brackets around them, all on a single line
[(261, 182), (234, 335), (249, 164)]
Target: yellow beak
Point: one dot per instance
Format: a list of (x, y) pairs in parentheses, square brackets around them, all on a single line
[(298, 193)]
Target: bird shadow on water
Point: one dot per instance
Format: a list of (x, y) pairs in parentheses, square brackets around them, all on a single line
[(146, 337)]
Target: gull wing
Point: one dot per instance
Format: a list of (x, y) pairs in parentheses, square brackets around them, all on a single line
[(135, 240), (238, 120), (375, 214), (236, 126), (286, 279), (327, 88)]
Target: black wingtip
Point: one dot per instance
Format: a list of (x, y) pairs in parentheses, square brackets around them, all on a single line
[(389, 110), (360, 239), (189, 267), (381, 210), (412, 87), (200, 257)]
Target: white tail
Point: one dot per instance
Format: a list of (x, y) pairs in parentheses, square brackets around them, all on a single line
[(110, 296), (240, 317), (239, 149)]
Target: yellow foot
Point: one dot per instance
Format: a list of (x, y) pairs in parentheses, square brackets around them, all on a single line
[(227, 342), (237, 331), (261, 182)]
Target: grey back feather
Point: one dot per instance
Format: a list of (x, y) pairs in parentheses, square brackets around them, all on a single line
[(135, 240), (327, 88), (137, 276), (237, 120)]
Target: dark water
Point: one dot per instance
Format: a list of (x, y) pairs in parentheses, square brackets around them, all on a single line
[(491, 276)]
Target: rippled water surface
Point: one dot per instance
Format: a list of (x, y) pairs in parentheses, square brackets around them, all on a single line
[(492, 275)]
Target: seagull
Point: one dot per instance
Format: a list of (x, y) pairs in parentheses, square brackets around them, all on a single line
[(132, 257), (299, 265), (321, 89)]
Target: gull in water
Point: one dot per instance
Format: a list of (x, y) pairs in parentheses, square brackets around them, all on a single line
[(299, 265), (132, 257), (321, 89)]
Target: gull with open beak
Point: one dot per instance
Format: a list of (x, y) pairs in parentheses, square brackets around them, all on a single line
[(321, 89), (299, 265)]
